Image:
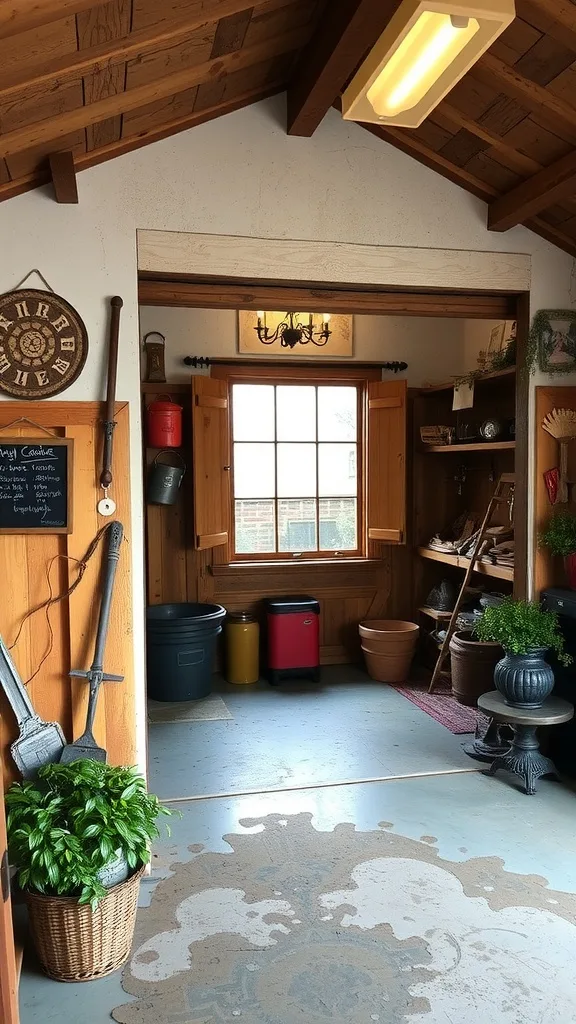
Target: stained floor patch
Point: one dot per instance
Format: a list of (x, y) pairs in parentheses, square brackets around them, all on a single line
[(299, 925)]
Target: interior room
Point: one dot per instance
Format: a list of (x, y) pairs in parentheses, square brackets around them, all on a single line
[(287, 511)]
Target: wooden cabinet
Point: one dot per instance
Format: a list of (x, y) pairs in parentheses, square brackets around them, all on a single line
[(8, 974)]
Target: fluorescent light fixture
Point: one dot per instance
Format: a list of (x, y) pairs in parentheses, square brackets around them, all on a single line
[(425, 49)]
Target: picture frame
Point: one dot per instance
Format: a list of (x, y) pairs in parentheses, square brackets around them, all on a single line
[(340, 344)]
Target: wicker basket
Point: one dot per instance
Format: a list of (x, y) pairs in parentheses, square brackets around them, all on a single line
[(75, 943)]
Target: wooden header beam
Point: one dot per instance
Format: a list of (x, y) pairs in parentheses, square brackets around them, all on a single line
[(238, 295), (346, 33), (551, 185)]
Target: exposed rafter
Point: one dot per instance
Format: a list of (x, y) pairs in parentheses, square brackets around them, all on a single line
[(556, 17), (63, 176), (83, 161), (62, 71), (413, 147), (554, 111), (209, 71), (349, 29), (551, 185), (447, 115), (21, 15)]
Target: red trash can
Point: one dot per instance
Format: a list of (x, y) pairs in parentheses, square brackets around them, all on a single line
[(293, 637), (164, 423)]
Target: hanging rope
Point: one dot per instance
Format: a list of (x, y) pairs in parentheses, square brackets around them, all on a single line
[(80, 565)]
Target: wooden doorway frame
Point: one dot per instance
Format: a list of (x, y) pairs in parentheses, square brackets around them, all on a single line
[(194, 291), (241, 272)]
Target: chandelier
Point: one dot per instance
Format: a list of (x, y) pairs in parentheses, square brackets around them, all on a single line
[(291, 331)]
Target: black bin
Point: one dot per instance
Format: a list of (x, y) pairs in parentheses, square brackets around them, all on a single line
[(181, 648)]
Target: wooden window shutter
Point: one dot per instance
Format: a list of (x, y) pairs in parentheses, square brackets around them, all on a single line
[(211, 462), (387, 461)]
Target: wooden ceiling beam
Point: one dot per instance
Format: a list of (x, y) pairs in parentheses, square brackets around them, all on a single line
[(53, 128), (21, 15), (63, 177), (556, 18), (345, 34), (72, 67), (83, 161), (448, 116), (551, 185), (399, 138), (460, 176), (498, 75)]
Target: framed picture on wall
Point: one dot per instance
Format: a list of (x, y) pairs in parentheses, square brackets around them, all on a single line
[(296, 335)]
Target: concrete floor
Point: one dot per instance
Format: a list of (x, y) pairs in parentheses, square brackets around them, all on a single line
[(350, 730)]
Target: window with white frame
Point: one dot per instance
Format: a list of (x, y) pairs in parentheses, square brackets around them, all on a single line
[(297, 470)]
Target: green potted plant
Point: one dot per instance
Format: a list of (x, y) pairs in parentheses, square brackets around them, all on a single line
[(526, 632), (560, 537), (79, 837)]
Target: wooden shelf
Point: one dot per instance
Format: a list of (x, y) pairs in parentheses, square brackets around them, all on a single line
[(477, 446), (500, 572), (509, 371), (433, 613)]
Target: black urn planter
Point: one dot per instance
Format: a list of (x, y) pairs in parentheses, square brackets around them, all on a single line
[(524, 680)]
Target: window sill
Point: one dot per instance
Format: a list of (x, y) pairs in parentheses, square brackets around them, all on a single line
[(239, 568)]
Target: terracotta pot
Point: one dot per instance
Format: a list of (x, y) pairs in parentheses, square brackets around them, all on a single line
[(472, 666), (388, 646), (570, 567)]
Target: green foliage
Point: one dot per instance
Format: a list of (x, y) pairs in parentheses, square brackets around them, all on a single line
[(560, 534), (521, 626), (67, 825)]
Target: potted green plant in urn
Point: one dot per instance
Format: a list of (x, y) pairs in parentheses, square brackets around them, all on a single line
[(527, 633), (559, 537), (79, 837)]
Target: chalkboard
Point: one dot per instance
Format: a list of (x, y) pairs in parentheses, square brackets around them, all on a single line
[(36, 485)]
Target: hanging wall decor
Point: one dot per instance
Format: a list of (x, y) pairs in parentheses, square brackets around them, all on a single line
[(552, 341), (43, 344), (295, 334)]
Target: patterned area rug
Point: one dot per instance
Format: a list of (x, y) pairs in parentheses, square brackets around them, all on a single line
[(441, 706), (296, 926), (207, 709)]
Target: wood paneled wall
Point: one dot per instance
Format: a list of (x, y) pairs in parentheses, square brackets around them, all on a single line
[(348, 591), (24, 563)]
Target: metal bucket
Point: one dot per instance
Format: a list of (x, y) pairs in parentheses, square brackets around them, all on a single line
[(164, 480)]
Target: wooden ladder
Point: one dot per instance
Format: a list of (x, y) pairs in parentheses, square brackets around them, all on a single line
[(503, 494)]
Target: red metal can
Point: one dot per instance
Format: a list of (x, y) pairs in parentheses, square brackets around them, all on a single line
[(164, 419)]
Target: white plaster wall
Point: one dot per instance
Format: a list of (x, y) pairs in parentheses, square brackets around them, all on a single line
[(238, 175), (434, 348)]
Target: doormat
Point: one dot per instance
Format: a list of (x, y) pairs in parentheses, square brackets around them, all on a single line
[(295, 926), (441, 706), (207, 709)]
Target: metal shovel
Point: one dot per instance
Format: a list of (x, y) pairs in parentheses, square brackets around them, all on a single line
[(39, 742), (85, 745)]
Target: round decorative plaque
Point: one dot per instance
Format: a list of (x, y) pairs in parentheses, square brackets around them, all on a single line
[(43, 344)]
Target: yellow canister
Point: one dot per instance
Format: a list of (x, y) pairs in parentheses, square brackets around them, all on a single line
[(242, 648)]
